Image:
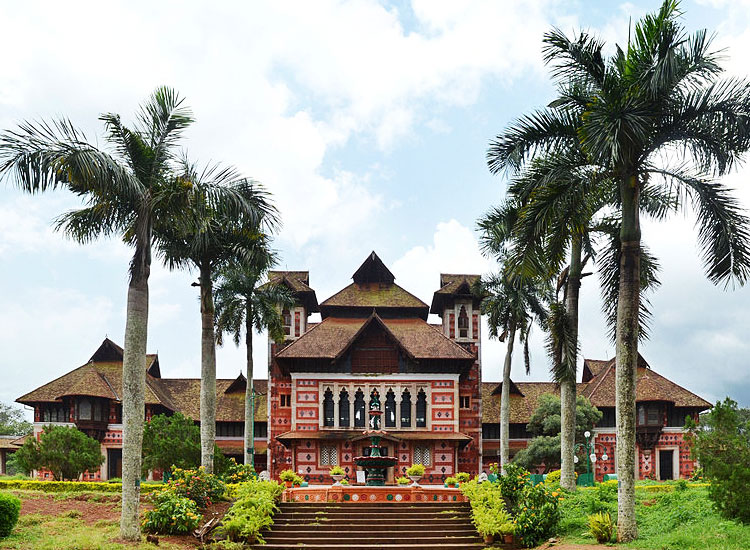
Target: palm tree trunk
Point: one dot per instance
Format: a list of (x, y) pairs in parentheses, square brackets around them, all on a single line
[(133, 408), (627, 357), (208, 371), (249, 396), (568, 386), (505, 401)]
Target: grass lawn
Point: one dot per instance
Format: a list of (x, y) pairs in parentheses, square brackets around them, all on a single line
[(76, 521), (679, 520)]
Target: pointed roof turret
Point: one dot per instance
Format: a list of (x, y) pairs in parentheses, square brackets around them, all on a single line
[(373, 270)]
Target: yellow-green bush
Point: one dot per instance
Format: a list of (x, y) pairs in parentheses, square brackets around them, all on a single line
[(601, 527), (70, 486), (252, 511)]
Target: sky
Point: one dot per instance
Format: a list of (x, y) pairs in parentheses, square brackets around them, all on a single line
[(368, 122)]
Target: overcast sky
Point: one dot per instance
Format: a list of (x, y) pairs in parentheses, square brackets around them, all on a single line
[(368, 121)]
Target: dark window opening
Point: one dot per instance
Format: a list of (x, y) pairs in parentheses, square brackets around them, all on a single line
[(286, 321), (328, 414), (285, 400), (608, 418), (390, 409), (463, 323), (406, 409), (490, 431), (421, 409), (359, 409), (464, 401), (344, 409)]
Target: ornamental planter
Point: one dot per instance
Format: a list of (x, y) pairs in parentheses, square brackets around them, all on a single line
[(489, 539), (288, 484), (337, 479), (415, 480), (508, 539)]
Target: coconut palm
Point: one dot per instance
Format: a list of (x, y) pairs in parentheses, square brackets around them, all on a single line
[(209, 237), (243, 303), (126, 188), (512, 304), (656, 113)]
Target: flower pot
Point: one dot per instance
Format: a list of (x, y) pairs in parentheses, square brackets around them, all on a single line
[(508, 538), (337, 479), (288, 484), (415, 480), (489, 539)]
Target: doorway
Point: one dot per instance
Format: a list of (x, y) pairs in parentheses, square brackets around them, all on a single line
[(114, 463), (665, 465)]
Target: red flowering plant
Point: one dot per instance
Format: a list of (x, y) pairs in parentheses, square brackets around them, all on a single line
[(199, 486)]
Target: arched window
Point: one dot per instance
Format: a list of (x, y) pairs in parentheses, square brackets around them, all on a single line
[(286, 321), (344, 409), (359, 409), (328, 414), (390, 409), (84, 409), (406, 409), (421, 409), (463, 323)]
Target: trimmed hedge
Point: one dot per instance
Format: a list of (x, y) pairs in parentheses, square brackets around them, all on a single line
[(10, 507), (70, 486)]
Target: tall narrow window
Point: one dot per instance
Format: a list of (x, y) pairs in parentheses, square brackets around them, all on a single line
[(328, 414), (421, 409), (463, 323), (390, 409), (422, 455), (359, 409), (84, 409), (329, 455), (344, 409), (406, 409), (286, 321)]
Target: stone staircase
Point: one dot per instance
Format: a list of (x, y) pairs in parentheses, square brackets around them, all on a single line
[(392, 526)]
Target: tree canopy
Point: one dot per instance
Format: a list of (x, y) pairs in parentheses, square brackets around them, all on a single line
[(65, 451), (13, 422)]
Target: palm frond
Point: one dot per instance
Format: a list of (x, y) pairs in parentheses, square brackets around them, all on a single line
[(574, 59), (562, 346)]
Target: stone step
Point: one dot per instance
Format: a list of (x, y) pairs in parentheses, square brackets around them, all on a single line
[(369, 514), (378, 546), (448, 530), (356, 542), (348, 522)]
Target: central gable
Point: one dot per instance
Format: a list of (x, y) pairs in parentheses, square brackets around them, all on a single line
[(374, 351)]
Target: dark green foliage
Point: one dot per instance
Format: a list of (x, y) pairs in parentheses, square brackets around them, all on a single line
[(197, 485), (544, 448), (252, 511), (65, 451), (13, 422), (10, 507), (172, 514), (538, 515), (512, 486), (175, 441), (722, 445)]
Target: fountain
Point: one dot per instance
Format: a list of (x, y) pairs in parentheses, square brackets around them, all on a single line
[(375, 464)]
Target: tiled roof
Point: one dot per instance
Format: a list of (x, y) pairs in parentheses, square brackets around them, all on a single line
[(452, 285), (298, 280), (521, 407), (9, 442), (372, 295), (230, 407), (331, 338)]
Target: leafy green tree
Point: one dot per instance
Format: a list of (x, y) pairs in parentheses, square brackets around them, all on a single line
[(655, 113), (511, 303), (171, 441), (242, 303), (13, 422), (65, 451), (721, 443), (545, 424), (127, 189), (209, 237)]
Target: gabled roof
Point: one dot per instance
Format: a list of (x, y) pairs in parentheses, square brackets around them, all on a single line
[(373, 270), (230, 405), (453, 286), (367, 296), (298, 282), (107, 351), (523, 401), (334, 335)]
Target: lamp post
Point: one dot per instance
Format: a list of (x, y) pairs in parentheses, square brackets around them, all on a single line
[(591, 458), (251, 449)]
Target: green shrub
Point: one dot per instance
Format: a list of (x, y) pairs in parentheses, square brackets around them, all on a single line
[(513, 484), (488, 511), (415, 470), (10, 506), (287, 475), (538, 515), (490, 521), (197, 485), (463, 477), (70, 486), (403, 480), (337, 471), (450, 481), (237, 473), (172, 514), (601, 527), (252, 511)]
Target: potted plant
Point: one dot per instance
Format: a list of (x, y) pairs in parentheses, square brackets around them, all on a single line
[(415, 473), (487, 523), (337, 473), (451, 482), (402, 481), (298, 481), (287, 476), (344, 482), (494, 470), (462, 477), (508, 529)]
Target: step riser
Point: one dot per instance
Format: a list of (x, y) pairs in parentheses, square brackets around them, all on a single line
[(355, 542)]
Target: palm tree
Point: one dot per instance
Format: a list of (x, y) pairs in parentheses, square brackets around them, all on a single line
[(242, 303), (126, 189), (209, 237), (512, 303), (658, 100)]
